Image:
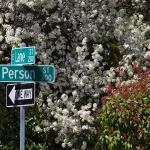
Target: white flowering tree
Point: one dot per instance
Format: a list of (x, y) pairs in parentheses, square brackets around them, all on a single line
[(84, 40)]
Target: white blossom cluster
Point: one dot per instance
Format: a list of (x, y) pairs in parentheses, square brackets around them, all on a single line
[(129, 68), (77, 37)]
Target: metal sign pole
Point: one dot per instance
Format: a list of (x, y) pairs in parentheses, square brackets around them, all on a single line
[(22, 128)]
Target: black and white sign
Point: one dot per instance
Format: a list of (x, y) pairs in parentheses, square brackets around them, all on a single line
[(20, 94)]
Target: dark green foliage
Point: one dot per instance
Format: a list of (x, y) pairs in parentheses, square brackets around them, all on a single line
[(124, 118)]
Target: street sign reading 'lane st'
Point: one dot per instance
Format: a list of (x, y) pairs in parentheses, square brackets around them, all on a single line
[(20, 94), (16, 73), (23, 55)]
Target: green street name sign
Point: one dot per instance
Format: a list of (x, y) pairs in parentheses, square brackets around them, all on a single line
[(26, 73), (23, 55)]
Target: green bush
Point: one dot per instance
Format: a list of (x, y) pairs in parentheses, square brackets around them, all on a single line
[(124, 117)]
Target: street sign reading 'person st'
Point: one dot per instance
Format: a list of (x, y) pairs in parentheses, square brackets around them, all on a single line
[(26, 73), (20, 94), (23, 55)]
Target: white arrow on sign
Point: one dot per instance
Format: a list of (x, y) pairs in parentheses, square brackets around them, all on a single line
[(21, 94), (12, 94)]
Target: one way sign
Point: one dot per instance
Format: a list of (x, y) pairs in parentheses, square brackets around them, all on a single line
[(20, 94)]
